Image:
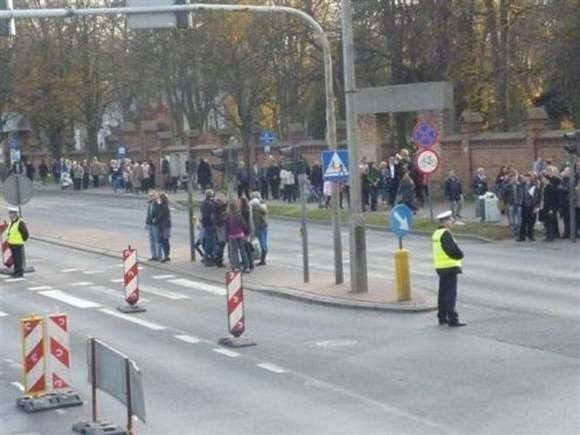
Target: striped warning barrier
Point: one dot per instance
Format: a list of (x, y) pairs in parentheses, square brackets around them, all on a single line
[(236, 312), (33, 355), (59, 351), (131, 282), (6, 252), (131, 275), (235, 294)]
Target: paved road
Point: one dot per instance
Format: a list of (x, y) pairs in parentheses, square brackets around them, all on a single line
[(315, 369), (318, 370)]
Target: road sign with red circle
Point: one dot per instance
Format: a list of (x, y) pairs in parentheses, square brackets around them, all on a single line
[(427, 161), (425, 134)]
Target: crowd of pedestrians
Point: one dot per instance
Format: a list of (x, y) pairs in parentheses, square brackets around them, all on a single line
[(240, 224), (541, 194)]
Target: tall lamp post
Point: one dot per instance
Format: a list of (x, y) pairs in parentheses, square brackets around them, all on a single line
[(358, 254)]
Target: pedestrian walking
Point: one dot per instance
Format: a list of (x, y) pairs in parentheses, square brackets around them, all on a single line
[(406, 192), (550, 205), (152, 230), (447, 258), (163, 222), (273, 174), (236, 234), (43, 172), (219, 216), (479, 187), (454, 194), (246, 214), (207, 210), (260, 217), (17, 235)]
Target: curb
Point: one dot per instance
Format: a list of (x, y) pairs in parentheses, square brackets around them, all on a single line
[(278, 292)]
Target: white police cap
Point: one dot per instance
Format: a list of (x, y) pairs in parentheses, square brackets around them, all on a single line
[(445, 215), (13, 209)]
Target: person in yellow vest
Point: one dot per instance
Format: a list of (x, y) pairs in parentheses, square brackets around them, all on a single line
[(447, 258), (17, 235)]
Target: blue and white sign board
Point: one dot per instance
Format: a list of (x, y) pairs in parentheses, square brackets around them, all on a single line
[(14, 144), (335, 165), (267, 138), (425, 134), (401, 220), (121, 151)]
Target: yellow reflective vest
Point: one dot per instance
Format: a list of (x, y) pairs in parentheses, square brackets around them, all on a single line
[(440, 259), (14, 236)]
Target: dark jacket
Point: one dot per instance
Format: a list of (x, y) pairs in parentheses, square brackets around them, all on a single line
[(207, 213), (204, 174), (512, 192), (163, 218), (453, 190), (478, 186), (530, 202), (551, 197), (274, 174), (316, 177)]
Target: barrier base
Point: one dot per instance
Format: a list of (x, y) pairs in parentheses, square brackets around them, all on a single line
[(131, 309), (49, 401), (98, 428), (237, 341)]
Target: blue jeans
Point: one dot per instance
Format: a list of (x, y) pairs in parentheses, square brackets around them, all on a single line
[(238, 255), (515, 217), (154, 245), (262, 236), (209, 241)]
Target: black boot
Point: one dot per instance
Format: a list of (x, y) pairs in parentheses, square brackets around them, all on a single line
[(262, 259)]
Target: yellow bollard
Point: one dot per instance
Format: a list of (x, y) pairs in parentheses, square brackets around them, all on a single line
[(403, 279)]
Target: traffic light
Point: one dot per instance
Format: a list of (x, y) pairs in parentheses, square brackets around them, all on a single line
[(229, 159), (7, 27), (183, 18)]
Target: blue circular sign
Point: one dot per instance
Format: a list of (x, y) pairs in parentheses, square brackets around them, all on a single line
[(425, 134), (401, 220)]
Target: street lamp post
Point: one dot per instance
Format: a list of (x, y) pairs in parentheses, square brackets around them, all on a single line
[(358, 255)]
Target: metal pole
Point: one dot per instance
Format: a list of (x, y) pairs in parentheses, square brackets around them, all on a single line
[(129, 397), (304, 229), (572, 197), (190, 202), (93, 379), (429, 198), (358, 255)]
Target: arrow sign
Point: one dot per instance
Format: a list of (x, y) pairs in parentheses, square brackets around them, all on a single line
[(401, 220)]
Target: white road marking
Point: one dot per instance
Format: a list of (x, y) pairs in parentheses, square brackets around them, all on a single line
[(81, 284), (93, 272), (2, 314), (163, 293), (137, 321), (188, 338), (226, 352), (338, 342), (163, 276), (16, 365), (2, 276), (272, 368), (40, 287), (60, 411), (15, 280), (199, 286), (112, 292), (117, 280), (71, 270), (68, 299), (18, 385)]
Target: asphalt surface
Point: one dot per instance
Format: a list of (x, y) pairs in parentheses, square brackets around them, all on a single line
[(316, 370)]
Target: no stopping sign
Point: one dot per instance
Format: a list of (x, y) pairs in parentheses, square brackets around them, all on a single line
[(427, 161)]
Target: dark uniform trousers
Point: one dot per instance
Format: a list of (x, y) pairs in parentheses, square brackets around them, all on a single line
[(18, 258), (447, 296)]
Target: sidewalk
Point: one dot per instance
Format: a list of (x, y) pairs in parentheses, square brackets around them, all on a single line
[(177, 199), (270, 279)]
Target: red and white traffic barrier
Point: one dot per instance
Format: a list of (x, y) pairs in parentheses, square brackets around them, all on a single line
[(33, 355), (131, 275), (236, 312), (59, 351), (6, 252), (131, 282)]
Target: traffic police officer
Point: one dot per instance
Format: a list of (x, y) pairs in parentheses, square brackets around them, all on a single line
[(447, 260), (17, 235)]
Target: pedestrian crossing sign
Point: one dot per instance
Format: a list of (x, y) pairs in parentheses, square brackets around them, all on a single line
[(335, 164)]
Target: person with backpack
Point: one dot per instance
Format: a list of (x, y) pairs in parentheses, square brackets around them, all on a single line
[(17, 235)]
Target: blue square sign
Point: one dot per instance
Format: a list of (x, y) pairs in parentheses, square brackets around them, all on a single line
[(335, 165)]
